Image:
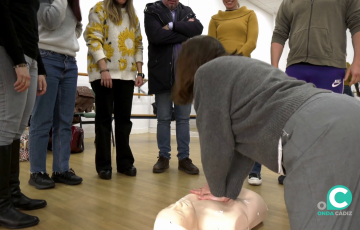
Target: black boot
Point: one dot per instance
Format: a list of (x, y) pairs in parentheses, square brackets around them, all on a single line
[(19, 200), (9, 216)]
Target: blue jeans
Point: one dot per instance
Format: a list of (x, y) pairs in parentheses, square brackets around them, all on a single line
[(256, 168), (54, 110), (182, 116)]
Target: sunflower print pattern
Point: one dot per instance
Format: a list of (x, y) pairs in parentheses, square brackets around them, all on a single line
[(119, 44), (127, 42), (122, 64)]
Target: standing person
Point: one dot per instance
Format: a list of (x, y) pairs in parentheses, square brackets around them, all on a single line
[(22, 77), (168, 23), (241, 121), (59, 28), (317, 39), (115, 62), (237, 29)]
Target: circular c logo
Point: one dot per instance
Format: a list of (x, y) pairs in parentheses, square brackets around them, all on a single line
[(339, 197)]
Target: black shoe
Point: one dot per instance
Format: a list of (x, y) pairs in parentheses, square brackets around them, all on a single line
[(281, 179), (187, 166), (41, 180), (23, 202), (9, 216), (68, 178), (105, 174), (161, 165), (14, 219), (19, 200), (130, 171)]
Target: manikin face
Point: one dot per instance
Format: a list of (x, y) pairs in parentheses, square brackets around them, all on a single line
[(178, 216), (171, 4), (231, 4)]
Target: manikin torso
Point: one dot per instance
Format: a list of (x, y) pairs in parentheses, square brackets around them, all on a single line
[(190, 213)]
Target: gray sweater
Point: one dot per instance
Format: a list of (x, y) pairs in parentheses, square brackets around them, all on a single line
[(242, 106), (58, 27)]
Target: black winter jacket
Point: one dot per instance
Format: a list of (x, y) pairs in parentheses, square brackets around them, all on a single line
[(161, 66)]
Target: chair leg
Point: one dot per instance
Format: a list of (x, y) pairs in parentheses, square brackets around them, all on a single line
[(80, 121)]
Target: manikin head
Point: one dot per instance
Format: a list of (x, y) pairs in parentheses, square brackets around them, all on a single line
[(177, 216), (231, 4), (190, 213), (171, 4)]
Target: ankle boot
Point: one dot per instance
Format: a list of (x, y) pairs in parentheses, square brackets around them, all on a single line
[(9, 216), (19, 200)]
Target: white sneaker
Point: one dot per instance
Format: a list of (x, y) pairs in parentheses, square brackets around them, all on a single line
[(254, 179)]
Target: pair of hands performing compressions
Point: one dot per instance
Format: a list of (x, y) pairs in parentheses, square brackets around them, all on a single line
[(205, 194)]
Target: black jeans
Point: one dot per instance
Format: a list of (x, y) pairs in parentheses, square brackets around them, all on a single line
[(119, 97)]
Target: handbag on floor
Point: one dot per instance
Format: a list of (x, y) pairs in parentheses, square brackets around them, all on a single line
[(77, 139), (24, 146)]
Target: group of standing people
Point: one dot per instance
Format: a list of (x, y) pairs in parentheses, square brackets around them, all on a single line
[(38, 77)]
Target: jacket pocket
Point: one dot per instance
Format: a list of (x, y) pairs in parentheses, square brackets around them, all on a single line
[(298, 43), (319, 43)]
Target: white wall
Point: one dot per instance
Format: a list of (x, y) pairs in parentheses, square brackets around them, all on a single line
[(204, 13)]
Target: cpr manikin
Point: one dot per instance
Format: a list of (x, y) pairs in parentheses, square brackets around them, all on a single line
[(190, 213)]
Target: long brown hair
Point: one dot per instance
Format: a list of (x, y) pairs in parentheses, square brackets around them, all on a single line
[(194, 53), (75, 7), (114, 12)]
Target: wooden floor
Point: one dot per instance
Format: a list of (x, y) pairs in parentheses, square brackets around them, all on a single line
[(132, 202)]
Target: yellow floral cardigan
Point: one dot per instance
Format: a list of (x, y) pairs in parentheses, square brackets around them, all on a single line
[(120, 45)]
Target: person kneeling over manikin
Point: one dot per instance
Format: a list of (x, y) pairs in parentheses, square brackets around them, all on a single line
[(190, 213)]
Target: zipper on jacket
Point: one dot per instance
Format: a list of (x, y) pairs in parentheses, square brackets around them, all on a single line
[(185, 17), (308, 41)]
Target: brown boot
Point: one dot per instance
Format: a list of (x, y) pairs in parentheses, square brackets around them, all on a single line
[(161, 165), (187, 166)]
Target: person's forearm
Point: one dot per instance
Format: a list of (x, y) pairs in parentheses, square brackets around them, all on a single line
[(139, 66), (102, 64), (276, 51), (356, 45), (52, 15)]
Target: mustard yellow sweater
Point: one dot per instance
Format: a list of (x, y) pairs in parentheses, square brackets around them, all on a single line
[(237, 30)]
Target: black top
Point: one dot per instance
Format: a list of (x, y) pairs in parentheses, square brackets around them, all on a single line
[(19, 35), (161, 42)]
